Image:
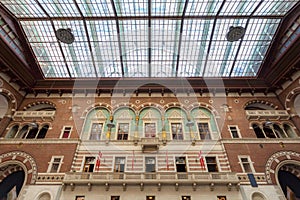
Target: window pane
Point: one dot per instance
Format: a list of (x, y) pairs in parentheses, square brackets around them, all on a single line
[(204, 131), (123, 131), (150, 129), (176, 129), (96, 131)]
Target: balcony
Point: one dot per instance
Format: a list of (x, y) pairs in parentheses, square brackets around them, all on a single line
[(33, 115), (267, 115), (150, 178), (149, 144)]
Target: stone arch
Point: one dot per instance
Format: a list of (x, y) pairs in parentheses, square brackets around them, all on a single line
[(150, 105), (22, 159), (94, 106), (258, 196), (37, 105), (206, 106), (176, 105), (124, 105), (276, 161), (289, 100), (262, 102), (12, 102), (44, 196)]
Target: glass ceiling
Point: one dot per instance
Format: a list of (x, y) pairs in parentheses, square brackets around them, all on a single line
[(149, 38)]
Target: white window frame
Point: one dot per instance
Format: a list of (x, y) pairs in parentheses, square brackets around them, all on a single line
[(62, 132), (249, 161), (50, 164), (83, 162), (183, 129), (237, 129), (102, 131), (150, 156), (209, 128), (217, 162), (150, 122), (125, 163), (129, 128)]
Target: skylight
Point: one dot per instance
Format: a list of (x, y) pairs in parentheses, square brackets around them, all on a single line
[(144, 38)]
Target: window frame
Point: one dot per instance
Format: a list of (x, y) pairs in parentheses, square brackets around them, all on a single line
[(182, 127), (144, 128), (84, 163), (237, 130), (216, 162), (250, 162), (50, 164), (63, 130), (209, 128), (115, 162), (155, 163), (117, 129), (102, 130)]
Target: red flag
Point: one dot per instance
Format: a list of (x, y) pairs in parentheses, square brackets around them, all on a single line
[(167, 160), (98, 161), (201, 160), (133, 157)]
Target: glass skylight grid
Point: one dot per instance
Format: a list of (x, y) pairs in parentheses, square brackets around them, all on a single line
[(131, 7), (96, 8), (28, 8), (275, 7), (244, 7), (194, 46), (167, 7), (168, 41), (65, 8), (203, 8)]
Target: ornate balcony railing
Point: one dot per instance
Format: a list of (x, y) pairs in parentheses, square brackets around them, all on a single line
[(159, 177), (150, 144), (267, 115), (33, 115)]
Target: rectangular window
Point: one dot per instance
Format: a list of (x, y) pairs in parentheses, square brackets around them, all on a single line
[(123, 131), (176, 129), (96, 131), (119, 164), (211, 163), (66, 132), (89, 164), (186, 198), (150, 164), (115, 198), (80, 198), (204, 131), (246, 164), (234, 131), (150, 130), (55, 164)]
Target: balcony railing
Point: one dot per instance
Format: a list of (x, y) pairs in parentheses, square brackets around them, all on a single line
[(159, 177), (33, 115), (149, 144), (267, 115)]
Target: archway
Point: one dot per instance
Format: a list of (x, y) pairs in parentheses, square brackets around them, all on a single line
[(289, 180)]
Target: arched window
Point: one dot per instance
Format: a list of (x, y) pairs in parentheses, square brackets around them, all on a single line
[(12, 132), (279, 132), (269, 130), (289, 131), (43, 131), (258, 132), (33, 130), (297, 104), (23, 132)]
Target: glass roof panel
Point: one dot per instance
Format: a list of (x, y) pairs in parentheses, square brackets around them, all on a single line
[(167, 7), (275, 7), (21, 8), (194, 47), (234, 7), (167, 42), (97, 8), (203, 8), (134, 42), (104, 43), (65, 8), (131, 7), (164, 47)]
